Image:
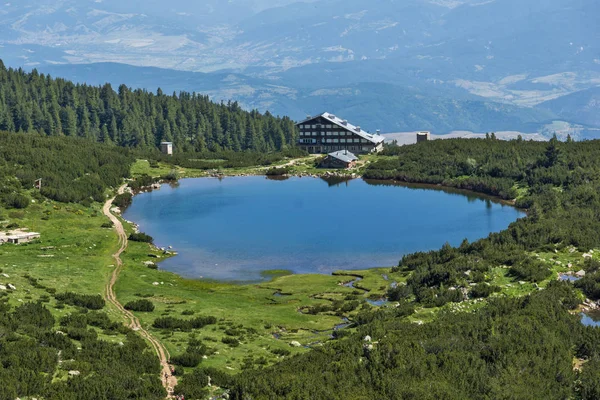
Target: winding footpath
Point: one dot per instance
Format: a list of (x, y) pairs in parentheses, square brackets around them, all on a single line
[(169, 381)]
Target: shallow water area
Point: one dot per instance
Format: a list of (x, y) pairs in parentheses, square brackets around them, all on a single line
[(233, 228), (590, 318), (568, 277)]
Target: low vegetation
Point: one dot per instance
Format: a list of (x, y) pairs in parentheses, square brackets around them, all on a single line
[(142, 305), (141, 237)]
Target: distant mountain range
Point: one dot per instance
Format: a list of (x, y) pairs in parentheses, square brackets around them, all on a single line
[(394, 65)]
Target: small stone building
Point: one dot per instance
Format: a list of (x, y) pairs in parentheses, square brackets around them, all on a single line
[(22, 237), (423, 136), (339, 159), (166, 148)]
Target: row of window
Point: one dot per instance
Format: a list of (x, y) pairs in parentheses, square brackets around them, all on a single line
[(325, 126), (337, 148), (308, 141), (334, 133), (346, 141)]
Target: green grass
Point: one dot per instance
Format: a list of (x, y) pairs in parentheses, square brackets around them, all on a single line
[(253, 306), (73, 254)]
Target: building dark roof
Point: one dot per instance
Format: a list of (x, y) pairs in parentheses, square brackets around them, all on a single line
[(343, 155), (376, 139)]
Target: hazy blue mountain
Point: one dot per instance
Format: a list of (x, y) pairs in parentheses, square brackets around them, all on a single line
[(373, 105), (581, 107)]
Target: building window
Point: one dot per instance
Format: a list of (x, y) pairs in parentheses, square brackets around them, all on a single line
[(336, 140), (342, 140), (314, 133), (314, 127), (356, 140)]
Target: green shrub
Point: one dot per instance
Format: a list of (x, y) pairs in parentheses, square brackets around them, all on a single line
[(183, 324), (530, 270), (141, 305), (91, 302), (123, 200), (141, 237), (230, 341), (17, 200)]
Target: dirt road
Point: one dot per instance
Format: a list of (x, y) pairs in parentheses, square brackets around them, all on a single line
[(169, 381)]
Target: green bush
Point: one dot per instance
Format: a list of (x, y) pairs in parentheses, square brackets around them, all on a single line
[(530, 270), (141, 237), (123, 200), (91, 302), (183, 324), (230, 341), (17, 200), (141, 305)]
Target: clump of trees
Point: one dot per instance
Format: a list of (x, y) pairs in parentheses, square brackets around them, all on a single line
[(91, 302), (530, 270), (141, 237), (123, 200), (193, 385), (183, 324), (141, 305), (590, 283), (192, 355)]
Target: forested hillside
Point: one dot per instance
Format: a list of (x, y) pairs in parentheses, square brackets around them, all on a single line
[(32, 102), (71, 169), (513, 348), (65, 359)]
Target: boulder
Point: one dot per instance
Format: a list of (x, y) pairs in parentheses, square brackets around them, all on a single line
[(74, 373), (12, 287), (295, 343)]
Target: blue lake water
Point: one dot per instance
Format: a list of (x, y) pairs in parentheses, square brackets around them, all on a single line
[(234, 228)]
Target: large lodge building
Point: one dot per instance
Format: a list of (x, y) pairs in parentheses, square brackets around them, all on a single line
[(327, 133)]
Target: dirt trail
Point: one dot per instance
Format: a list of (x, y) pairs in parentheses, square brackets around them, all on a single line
[(169, 381)]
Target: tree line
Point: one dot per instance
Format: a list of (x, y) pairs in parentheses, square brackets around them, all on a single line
[(37, 103)]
